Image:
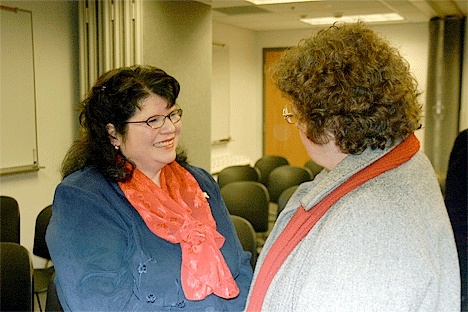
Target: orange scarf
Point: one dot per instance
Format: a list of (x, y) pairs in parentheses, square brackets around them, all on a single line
[(179, 213), (303, 221)]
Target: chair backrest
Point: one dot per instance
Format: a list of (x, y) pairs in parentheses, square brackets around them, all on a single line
[(314, 168), (247, 236), (42, 221), (52, 301), (250, 200), (16, 282), (285, 196), (267, 163), (284, 177), (9, 220), (238, 173)]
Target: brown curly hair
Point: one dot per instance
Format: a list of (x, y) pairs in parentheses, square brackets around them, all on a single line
[(349, 82)]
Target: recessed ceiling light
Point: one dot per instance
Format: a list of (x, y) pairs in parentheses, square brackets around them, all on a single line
[(369, 18), (260, 2)]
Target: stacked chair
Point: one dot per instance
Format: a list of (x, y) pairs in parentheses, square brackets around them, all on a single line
[(256, 195), (238, 173), (284, 198), (9, 220), (16, 276), (267, 163), (42, 276), (247, 237), (16, 259), (249, 200), (283, 177), (16, 282), (314, 168), (52, 302)]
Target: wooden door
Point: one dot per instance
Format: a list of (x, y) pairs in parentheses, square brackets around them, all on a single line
[(280, 138)]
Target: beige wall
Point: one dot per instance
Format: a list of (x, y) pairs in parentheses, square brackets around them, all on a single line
[(177, 38), (168, 29), (246, 114), (56, 68)]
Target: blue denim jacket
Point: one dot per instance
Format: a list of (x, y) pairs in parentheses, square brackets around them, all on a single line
[(107, 259)]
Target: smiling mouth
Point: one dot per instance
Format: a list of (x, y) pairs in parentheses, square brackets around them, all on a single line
[(167, 143)]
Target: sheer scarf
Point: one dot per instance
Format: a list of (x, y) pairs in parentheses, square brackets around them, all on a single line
[(179, 212)]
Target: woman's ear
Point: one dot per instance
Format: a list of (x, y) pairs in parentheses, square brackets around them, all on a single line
[(114, 136)]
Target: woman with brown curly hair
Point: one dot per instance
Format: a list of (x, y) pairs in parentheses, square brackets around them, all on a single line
[(370, 232)]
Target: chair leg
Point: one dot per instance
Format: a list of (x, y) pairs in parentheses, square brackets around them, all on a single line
[(39, 302)]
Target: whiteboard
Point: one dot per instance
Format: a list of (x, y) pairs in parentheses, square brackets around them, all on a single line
[(18, 140), (220, 95)]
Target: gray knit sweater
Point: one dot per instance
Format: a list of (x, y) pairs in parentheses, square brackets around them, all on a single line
[(386, 246)]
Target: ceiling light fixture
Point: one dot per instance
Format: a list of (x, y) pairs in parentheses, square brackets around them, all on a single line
[(260, 2), (370, 18)]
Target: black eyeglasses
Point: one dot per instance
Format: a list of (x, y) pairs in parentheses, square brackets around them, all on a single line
[(288, 115), (157, 121)]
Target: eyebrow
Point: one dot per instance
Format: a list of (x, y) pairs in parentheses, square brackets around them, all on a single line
[(173, 108)]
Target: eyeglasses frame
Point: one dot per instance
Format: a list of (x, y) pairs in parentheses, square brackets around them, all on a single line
[(168, 116), (288, 115)]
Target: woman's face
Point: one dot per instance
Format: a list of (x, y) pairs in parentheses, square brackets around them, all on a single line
[(150, 149)]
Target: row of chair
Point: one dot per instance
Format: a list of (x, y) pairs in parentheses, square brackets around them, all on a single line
[(10, 233), (249, 200), (268, 163), (275, 179), (259, 201), (261, 171)]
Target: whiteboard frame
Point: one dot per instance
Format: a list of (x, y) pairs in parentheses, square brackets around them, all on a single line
[(34, 165)]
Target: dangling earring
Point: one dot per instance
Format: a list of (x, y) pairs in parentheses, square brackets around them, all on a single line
[(116, 147)]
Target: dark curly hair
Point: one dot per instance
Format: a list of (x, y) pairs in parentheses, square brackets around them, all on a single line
[(115, 98), (349, 82)]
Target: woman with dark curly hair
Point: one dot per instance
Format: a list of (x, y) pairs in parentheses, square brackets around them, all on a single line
[(370, 232), (134, 226)]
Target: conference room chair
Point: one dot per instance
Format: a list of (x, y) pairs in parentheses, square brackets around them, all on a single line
[(9, 220), (16, 282), (52, 302), (42, 276), (247, 237), (285, 196), (238, 173), (249, 200), (267, 163), (283, 177), (314, 167)]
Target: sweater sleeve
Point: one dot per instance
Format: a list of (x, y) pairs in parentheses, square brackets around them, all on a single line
[(89, 245)]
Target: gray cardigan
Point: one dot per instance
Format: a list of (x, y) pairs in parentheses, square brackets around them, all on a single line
[(386, 246)]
